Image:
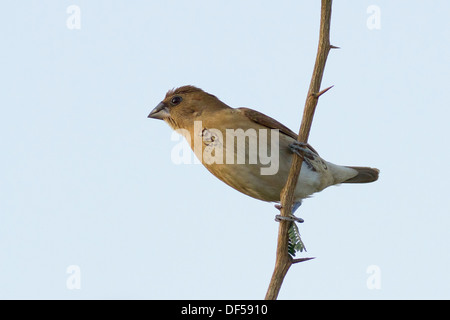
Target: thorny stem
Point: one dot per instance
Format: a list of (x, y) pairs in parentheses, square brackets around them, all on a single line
[(283, 259)]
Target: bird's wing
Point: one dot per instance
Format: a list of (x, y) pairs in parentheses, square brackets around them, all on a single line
[(271, 123), (267, 121)]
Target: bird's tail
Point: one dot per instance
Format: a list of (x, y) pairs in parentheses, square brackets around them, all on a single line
[(365, 175)]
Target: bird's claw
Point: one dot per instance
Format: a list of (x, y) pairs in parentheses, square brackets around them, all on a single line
[(291, 218), (310, 157), (302, 150)]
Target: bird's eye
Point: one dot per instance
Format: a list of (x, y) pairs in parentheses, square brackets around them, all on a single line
[(176, 100)]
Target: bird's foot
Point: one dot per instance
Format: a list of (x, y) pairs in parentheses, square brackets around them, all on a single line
[(302, 150), (310, 157), (291, 218)]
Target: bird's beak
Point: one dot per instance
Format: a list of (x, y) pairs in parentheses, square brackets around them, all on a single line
[(160, 112)]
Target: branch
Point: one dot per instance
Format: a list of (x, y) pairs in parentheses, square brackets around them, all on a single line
[(283, 259)]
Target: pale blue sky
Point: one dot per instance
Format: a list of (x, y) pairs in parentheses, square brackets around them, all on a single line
[(87, 179)]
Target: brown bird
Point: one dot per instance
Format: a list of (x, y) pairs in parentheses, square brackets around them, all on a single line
[(248, 150)]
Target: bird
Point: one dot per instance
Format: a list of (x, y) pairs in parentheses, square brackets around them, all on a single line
[(234, 145)]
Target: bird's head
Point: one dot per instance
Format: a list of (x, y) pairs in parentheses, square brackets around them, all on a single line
[(182, 106)]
